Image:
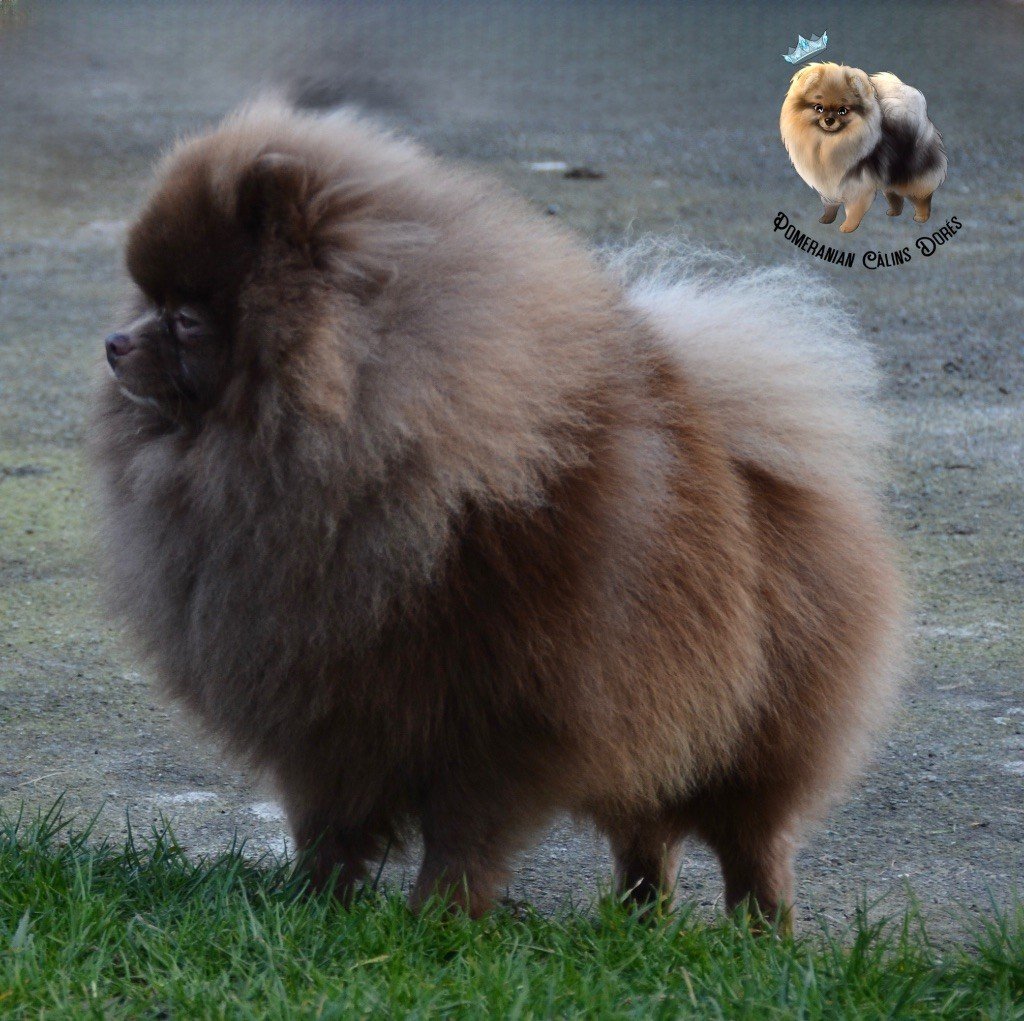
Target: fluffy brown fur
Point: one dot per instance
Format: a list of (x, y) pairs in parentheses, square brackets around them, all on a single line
[(439, 522), (850, 135)]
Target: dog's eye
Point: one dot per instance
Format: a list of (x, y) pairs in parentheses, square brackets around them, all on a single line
[(843, 111), (186, 326), (819, 108)]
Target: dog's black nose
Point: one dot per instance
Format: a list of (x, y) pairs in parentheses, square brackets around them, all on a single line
[(830, 121), (117, 345)]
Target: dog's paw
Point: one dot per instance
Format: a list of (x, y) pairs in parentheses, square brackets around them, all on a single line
[(920, 219), (894, 212), (847, 229)]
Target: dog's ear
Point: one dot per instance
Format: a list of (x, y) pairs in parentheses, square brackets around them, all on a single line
[(274, 195), (332, 226), (858, 80), (807, 76)]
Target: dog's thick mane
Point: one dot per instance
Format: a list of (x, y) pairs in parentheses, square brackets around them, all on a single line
[(467, 388)]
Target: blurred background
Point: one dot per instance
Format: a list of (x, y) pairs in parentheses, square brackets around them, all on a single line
[(669, 112)]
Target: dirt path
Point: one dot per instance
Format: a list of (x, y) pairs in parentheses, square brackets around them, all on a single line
[(687, 144)]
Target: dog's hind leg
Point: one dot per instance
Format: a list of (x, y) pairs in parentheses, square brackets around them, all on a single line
[(895, 203), (751, 837), (922, 207), (831, 212)]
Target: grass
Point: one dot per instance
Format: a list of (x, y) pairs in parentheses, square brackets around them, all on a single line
[(88, 929)]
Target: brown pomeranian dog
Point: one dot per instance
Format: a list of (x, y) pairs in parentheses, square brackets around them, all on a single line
[(850, 135), (439, 522)]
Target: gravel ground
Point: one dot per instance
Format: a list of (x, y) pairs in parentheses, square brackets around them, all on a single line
[(677, 107)]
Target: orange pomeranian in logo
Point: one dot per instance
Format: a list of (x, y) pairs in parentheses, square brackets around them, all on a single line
[(850, 135)]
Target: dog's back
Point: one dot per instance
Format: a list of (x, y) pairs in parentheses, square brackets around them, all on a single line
[(909, 157)]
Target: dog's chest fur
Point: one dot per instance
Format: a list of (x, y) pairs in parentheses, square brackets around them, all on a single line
[(823, 162)]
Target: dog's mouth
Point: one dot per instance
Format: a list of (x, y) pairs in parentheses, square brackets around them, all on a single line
[(832, 128), (143, 402)]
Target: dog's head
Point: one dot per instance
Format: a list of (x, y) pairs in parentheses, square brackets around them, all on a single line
[(252, 239), (830, 98)]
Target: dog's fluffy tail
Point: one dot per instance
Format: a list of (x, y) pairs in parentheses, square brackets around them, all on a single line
[(906, 109), (781, 364), (900, 101)]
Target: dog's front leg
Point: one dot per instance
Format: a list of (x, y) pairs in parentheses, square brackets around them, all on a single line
[(855, 210)]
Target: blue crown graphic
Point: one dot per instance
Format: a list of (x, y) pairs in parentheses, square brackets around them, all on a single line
[(806, 47)]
